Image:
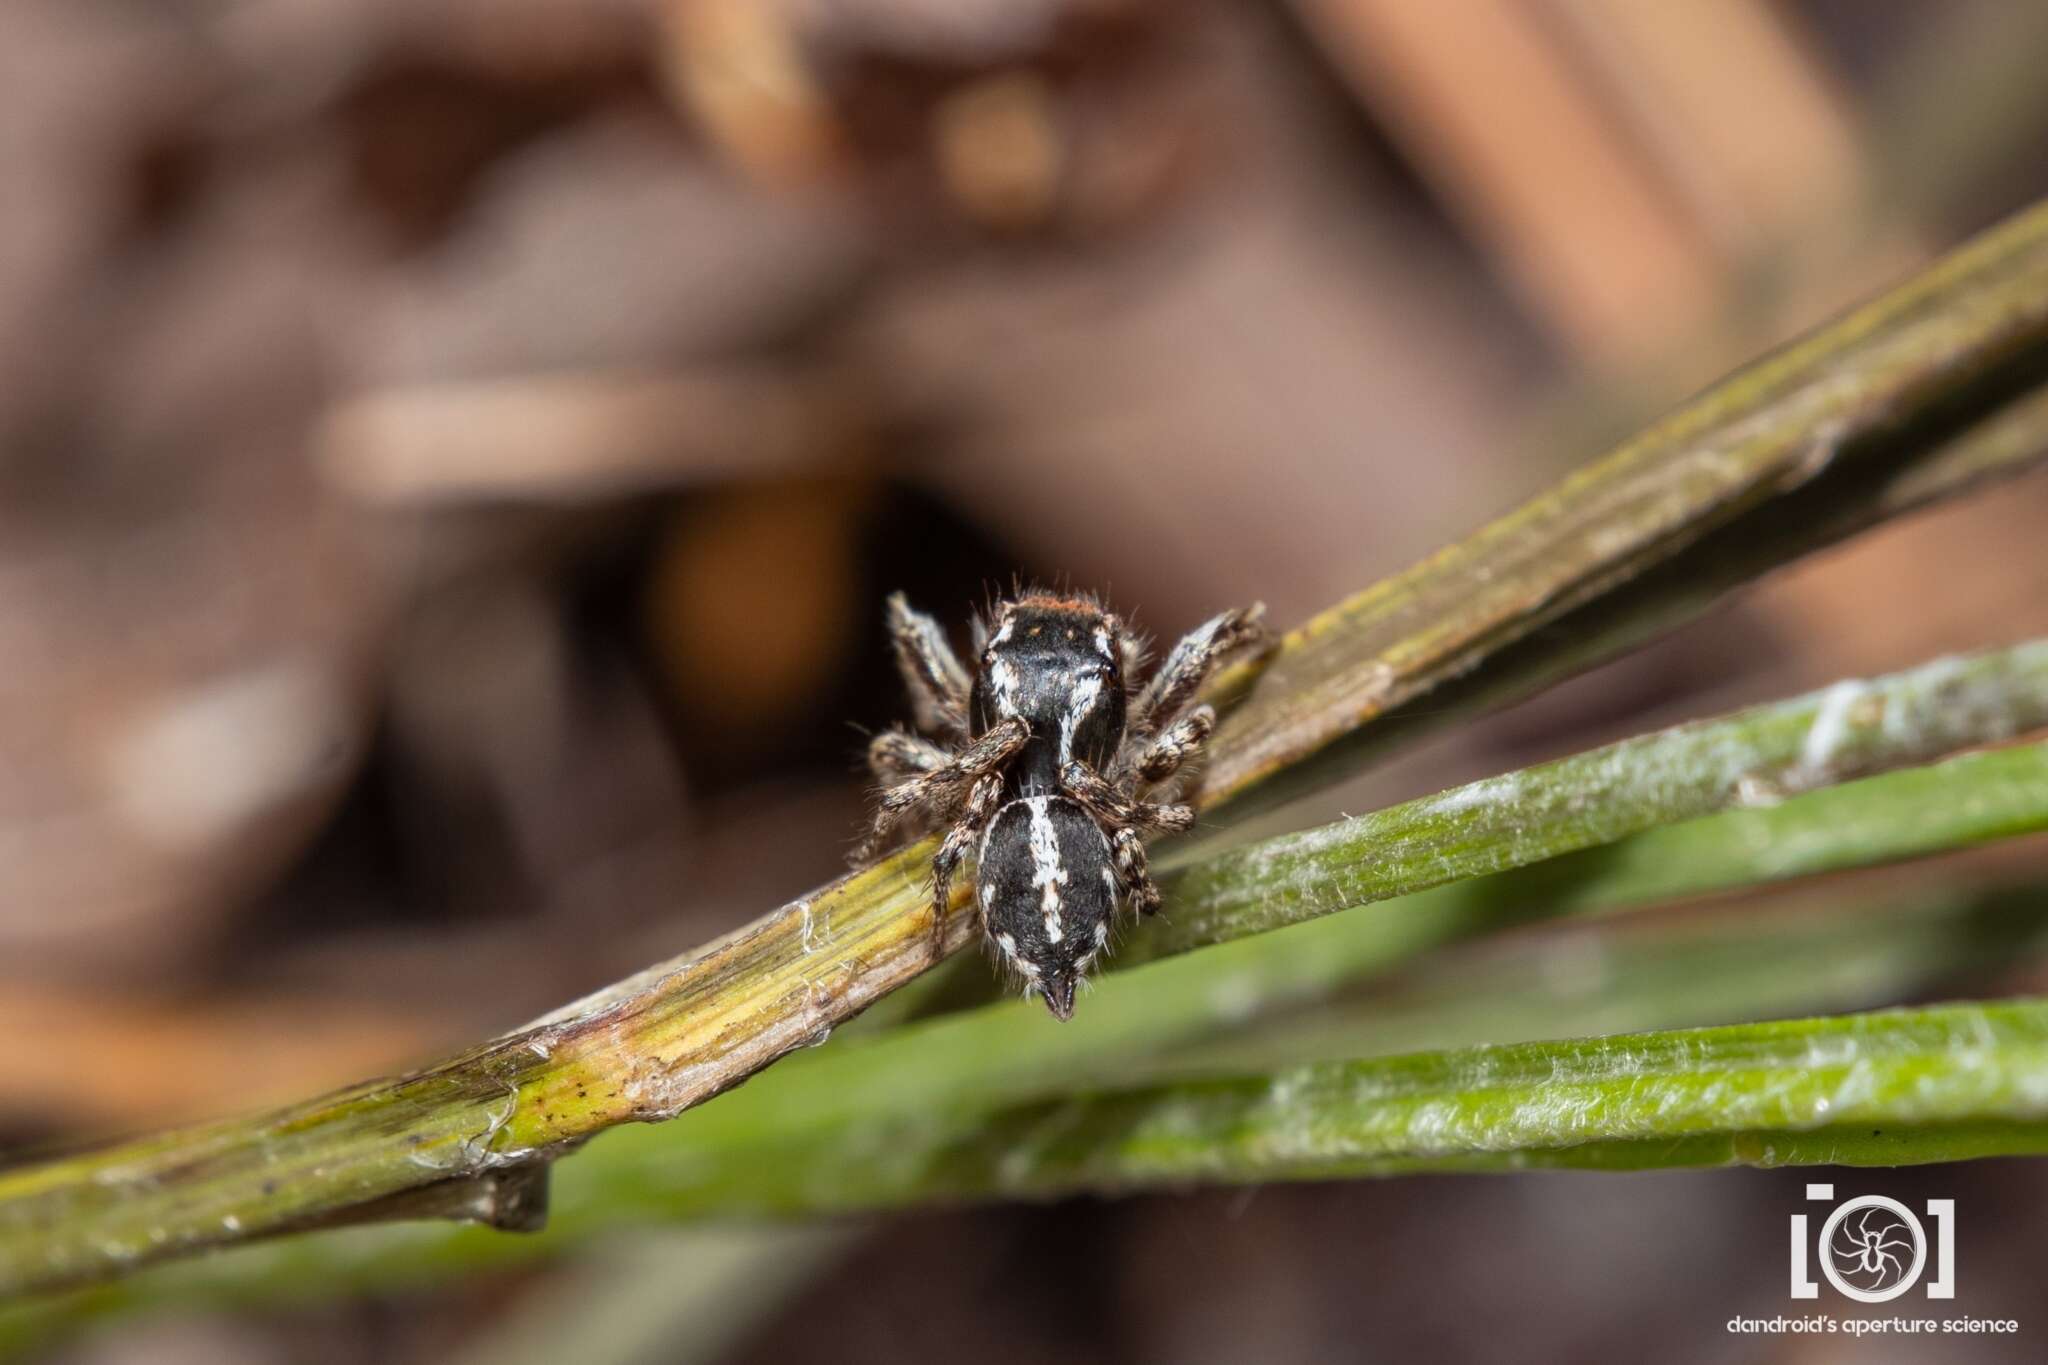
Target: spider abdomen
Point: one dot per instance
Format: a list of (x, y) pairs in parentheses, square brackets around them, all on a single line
[(1047, 889)]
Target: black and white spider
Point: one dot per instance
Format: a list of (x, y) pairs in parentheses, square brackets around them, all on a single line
[(1042, 762)]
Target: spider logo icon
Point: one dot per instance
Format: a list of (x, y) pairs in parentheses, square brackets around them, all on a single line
[(1872, 1249)]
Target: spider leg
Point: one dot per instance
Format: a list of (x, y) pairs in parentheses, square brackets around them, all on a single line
[(938, 683), (1130, 648), (982, 801), (943, 788), (1096, 792), (1178, 679), (1163, 757), (1167, 817), (1134, 870), (895, 755)]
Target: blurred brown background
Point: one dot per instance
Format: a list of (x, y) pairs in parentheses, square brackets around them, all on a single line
[(452, 454)]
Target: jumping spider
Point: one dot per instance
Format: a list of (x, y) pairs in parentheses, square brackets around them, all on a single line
[(1046, 755)]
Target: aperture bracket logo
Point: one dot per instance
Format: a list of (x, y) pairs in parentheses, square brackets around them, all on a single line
[(1873, 1249)]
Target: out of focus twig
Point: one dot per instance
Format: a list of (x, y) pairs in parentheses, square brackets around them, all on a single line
[(576, 437)]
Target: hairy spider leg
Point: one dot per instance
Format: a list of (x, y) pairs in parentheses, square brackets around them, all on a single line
[(1100, 795), (982, 803), (941, 789), (895, 755), (1187, 666), (1163, 757), (937, 680), (1134, 871)]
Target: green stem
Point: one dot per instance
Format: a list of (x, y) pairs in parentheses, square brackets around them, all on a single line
[(1890, 1089), (1769, 955), (1750, 759), (783, 1138)]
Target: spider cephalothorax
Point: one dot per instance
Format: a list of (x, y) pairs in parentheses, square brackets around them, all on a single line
[(1042, 763)]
